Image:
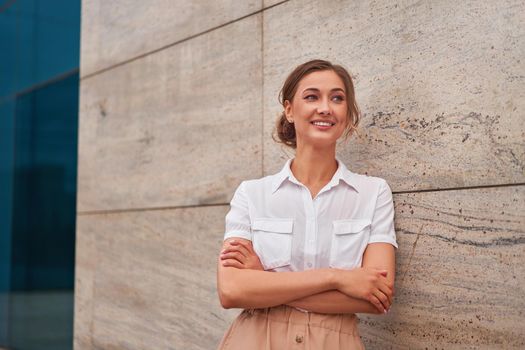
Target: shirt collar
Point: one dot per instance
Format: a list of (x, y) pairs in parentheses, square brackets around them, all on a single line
[(342, 173)]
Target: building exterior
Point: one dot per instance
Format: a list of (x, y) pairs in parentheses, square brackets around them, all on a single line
[(39, 80), (177, 104)]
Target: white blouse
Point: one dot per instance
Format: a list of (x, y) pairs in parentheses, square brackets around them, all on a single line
[(291, 231)]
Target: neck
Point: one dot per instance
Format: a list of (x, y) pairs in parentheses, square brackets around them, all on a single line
[(313, 165)]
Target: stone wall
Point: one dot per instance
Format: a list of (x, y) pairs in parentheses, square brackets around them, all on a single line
[(177, 104)]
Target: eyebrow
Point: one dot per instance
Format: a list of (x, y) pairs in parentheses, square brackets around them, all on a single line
[(317, 90)]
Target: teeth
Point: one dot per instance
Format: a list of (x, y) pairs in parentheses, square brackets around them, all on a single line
[(322, 123)]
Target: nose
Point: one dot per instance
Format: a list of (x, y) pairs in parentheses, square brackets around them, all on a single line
[(323, 107)]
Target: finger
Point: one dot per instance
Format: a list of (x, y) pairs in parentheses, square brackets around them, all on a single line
[(242, 248), (382, 298), (376, 303), (247, 244), (389, 293), (233, 250), (232, 263), (233, 255), (243, 243), (384, 286)]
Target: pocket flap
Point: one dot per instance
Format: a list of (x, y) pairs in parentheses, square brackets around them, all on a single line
[(342, 227), (273, 225)]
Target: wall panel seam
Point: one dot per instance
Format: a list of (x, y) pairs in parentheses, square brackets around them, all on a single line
[(461, 188), (103, 70), (127, 210), (39, 85)]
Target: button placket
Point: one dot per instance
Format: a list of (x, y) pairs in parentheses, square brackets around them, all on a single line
[(297, 337), (311, 228)]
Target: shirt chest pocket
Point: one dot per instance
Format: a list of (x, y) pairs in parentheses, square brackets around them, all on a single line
[(349, 240), (272, 241)]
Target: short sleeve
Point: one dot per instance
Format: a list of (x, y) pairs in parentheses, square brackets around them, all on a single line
[(382, 229), (238, 218)]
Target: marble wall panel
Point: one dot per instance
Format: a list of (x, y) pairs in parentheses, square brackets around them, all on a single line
[(459, 284), (85, 268), (268, 3), (150, 282), (460, 276), (179, 127), (441, 85), (117, 31)]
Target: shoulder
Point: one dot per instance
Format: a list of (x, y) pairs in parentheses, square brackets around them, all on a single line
[(262, 183), (370, 184)]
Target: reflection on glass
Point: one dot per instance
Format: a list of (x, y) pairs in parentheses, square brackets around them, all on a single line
[(39, 51), (43, 221)]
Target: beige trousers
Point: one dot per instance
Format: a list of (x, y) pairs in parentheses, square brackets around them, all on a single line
[(285, 328)]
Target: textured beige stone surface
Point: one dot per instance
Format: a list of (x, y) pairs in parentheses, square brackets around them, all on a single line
[(460, 273), (117, 31), (150, 282), (441, 85), (180, 127), (268, 3), (85, 267)]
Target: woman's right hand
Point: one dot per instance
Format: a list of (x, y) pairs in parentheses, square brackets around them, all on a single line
[(239, 253), (368, 284)]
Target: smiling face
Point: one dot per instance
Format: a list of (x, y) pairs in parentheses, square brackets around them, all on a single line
[(318, 109)]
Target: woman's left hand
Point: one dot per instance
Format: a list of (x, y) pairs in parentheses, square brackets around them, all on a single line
[(239, 253)]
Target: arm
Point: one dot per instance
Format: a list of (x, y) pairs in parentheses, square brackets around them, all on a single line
[(357, 283), (381, 256), (247, 288), (376, 255), (242, 287), (335, 302)]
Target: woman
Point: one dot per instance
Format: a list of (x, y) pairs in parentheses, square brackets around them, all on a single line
[(326, 231)]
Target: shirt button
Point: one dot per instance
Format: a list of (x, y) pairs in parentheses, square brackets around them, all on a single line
[(298, 338), (309, 264)]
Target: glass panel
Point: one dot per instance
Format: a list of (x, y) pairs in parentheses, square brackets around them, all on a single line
[(7, 110), (39, 40), (39, 60), (43, 221)]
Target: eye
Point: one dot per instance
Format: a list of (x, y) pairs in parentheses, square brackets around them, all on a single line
[(309, 97), (340, 97)]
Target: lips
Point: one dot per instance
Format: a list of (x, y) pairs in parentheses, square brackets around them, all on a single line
[(322, 127), (324, 123)]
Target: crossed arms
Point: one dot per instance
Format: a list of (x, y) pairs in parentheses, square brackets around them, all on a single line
[(242, 283)]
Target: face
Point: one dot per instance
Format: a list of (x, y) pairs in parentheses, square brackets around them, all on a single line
[(318, 109)]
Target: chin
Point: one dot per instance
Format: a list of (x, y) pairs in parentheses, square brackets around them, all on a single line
[(319, 142)]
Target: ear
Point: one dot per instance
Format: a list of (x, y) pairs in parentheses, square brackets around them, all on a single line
[(287, 108)]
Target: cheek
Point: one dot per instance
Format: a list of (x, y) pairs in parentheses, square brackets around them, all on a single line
[(345, 123), (304, 110)]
